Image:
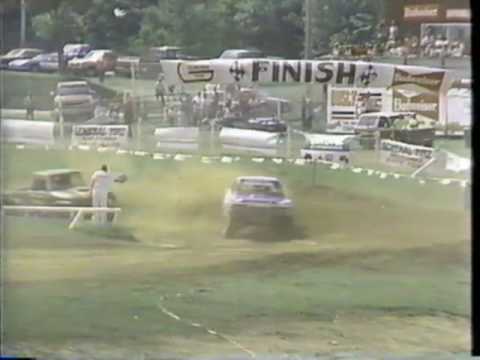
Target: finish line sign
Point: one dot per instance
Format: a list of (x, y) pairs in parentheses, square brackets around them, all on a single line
[(247, 71)]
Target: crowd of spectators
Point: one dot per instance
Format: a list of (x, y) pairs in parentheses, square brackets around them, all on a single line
[(388, 41)]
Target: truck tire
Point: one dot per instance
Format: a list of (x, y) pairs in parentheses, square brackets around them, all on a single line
[(231, 230)]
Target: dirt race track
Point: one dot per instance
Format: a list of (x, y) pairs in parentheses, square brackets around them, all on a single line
[(384, 269)]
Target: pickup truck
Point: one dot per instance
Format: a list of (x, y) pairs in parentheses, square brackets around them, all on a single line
[(75, 100), (56, 187)]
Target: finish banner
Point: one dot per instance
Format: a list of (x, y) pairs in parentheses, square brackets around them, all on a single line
[(100, 135), (248, 71)]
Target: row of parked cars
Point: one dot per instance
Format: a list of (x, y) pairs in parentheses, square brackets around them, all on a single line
[(79, 58), (82, 59)]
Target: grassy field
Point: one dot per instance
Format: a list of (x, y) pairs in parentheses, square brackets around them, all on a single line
[(14, 86), (383, 268)]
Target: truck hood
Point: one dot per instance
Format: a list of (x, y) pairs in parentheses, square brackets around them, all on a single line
[(74, 99), (262, 199), (73, 193)]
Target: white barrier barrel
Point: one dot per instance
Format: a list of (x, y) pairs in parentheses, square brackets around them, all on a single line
[(177, 138), (28, 132)]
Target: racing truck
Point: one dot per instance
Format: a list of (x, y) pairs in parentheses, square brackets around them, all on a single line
[(257, 201)]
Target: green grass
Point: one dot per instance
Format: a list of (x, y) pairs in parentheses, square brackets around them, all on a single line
[(455, 146), (16, 85), (380, 254)]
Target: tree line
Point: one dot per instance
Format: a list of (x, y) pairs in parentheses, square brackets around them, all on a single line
[(204, 27)]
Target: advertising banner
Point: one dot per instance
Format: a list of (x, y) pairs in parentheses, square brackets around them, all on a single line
[(398, 153), (100, 135), (422, 11), (419, 92), (28, 132), (248, 71), (335, 148)]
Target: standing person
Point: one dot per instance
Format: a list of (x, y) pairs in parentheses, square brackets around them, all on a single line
[(197, 108), (204, 104), (160, 91), (101, 72), (100, 185), (304, 112), (28, 103), (393, 32), (129, 114)]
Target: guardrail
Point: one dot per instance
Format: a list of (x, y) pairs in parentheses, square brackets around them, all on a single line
[(78, 211)]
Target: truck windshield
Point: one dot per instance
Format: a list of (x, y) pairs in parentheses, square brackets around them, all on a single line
[(66, 181), (369, 121), (74, 90), (268, 188)]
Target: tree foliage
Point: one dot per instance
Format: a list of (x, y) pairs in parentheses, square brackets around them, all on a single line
[(206, 27), (60, 25)]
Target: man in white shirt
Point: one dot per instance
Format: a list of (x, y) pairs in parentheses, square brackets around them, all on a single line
[(100, 185)]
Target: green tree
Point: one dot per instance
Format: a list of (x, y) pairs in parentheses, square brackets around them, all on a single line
[(185, 23), (345, 21), (60, 25), (271, 25), (106, 29)]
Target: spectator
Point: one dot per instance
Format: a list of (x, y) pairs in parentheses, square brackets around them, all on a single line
[(413, 45), (203, 104), (393, 32), (425, 45), (101, 72), (381, 31), (197, 108), (160, 91), (129, 114), (187, 108), (28, 103), (214, 106)]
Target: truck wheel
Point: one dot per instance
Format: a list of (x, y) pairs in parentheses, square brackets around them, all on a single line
[(230, 230)]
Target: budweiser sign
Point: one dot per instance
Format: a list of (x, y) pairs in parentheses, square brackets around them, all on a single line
[(463, 14), (431, 81), (421, 11)]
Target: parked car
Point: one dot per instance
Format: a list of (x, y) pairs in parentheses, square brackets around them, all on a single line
[(56, 187), (256, 200), (72, 51), (270, 124), (18, 54), (75, 100), (42, 62), (93, 62), (124, 65), (242, 54), (398, 126), (149, 63)]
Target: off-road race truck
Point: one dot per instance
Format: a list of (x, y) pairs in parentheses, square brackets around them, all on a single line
[(259, 201)]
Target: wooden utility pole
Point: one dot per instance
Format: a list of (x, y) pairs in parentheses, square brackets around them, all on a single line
[(23, 23), (308, 30)]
